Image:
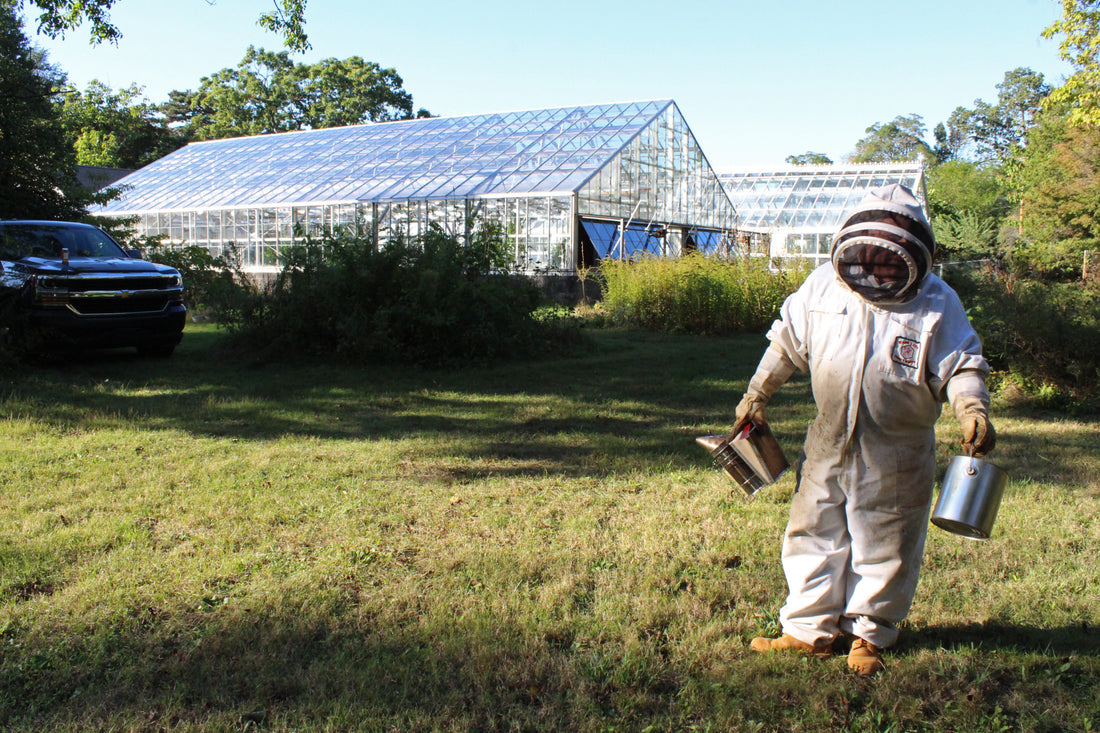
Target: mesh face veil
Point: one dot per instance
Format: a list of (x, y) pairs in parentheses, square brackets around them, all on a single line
[(884, 248)]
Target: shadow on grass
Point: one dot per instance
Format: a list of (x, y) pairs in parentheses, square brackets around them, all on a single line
[(639, 396), (257, 670), (1065, 640), (642, 397), (347, 673)]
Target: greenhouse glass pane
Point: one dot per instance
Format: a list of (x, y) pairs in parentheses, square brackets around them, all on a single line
[(707, 241), (603, 235)]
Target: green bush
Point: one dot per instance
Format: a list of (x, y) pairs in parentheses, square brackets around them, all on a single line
[(431, 301), (1043, 336), (211, 285), (696, 294)]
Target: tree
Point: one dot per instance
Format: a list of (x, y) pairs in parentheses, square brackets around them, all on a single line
[(900, 139), (116, 129), (1020, 100), (809, 158), (991, 134), (1080, 28), (248, 100), (337, 92), (183, 112), (969, 203), (268, 92), (1061, 202), (961, 185), (948, 143), (37, 166), (56, 17)]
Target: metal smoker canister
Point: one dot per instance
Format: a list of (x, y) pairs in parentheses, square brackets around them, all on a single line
[(753, 458), (970, 497)]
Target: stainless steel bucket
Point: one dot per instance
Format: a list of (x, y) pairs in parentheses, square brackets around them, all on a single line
[(970, 497)]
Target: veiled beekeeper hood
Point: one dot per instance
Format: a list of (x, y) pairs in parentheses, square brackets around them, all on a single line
[(884, 247)]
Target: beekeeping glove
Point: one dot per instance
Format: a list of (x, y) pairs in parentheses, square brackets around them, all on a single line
[(969, 399), (774, 369)]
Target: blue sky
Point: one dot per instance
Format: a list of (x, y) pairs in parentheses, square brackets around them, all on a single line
[(756, 80)]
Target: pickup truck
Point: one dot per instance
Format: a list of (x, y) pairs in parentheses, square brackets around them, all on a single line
[(66, 286)]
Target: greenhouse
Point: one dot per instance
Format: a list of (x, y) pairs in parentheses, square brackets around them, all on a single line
[(568, 186), (794, 212)]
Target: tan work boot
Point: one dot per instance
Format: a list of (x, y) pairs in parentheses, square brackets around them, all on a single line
[(865, 659), (789, 643)]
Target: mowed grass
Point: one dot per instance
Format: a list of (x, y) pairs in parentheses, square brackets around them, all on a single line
[(203, 543)]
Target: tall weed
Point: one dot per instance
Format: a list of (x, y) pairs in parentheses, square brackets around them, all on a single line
[(696, 294)]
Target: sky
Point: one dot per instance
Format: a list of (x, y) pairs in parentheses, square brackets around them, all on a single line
[(756, 80)]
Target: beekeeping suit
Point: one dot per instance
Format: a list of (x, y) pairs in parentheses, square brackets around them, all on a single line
[(885, 342)]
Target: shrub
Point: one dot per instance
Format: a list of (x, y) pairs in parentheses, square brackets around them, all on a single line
[(1044, 336), (696, 294), (431, 301), (212, 285)]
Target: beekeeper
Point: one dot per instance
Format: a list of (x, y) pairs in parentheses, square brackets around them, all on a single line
[(885, 342)]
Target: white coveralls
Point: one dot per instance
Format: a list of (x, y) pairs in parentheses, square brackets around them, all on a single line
[(859, 516)]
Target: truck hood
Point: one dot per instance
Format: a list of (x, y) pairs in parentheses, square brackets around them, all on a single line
[(81, 265)]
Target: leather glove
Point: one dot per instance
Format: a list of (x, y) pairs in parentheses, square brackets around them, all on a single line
[(773, 370), (749, 409), (970, 401), (979, 437)]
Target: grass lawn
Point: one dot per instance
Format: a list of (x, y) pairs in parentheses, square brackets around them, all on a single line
[(202, 543)]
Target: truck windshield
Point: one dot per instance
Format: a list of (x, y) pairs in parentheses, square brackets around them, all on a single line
[(47, 240)]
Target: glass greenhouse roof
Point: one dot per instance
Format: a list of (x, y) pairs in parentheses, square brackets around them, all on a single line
[(515, 153), (812, 196)]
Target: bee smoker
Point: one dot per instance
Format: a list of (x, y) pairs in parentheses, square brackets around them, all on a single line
[(752, 458)]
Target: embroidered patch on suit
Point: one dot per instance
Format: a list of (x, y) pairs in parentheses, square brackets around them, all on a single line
[(906, 352)]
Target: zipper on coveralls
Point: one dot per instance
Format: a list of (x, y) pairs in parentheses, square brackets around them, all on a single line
[(851, 450)]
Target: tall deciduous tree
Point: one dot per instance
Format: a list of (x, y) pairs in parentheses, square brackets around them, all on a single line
[(56, 17), (1061, 204), (1020, 100), (900, 139), (1079, 28), (119, 129), (37, 168), (268, 92), (992, 133)]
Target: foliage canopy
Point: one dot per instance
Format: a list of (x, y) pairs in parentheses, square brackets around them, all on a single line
[(37, 163), (1079, 28), (809, 158), (117, 129), (57, 17), (268, 92), (900, 139)]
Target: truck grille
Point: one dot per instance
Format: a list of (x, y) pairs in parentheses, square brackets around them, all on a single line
[(138, 303), (111, 294), (108, 284)]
